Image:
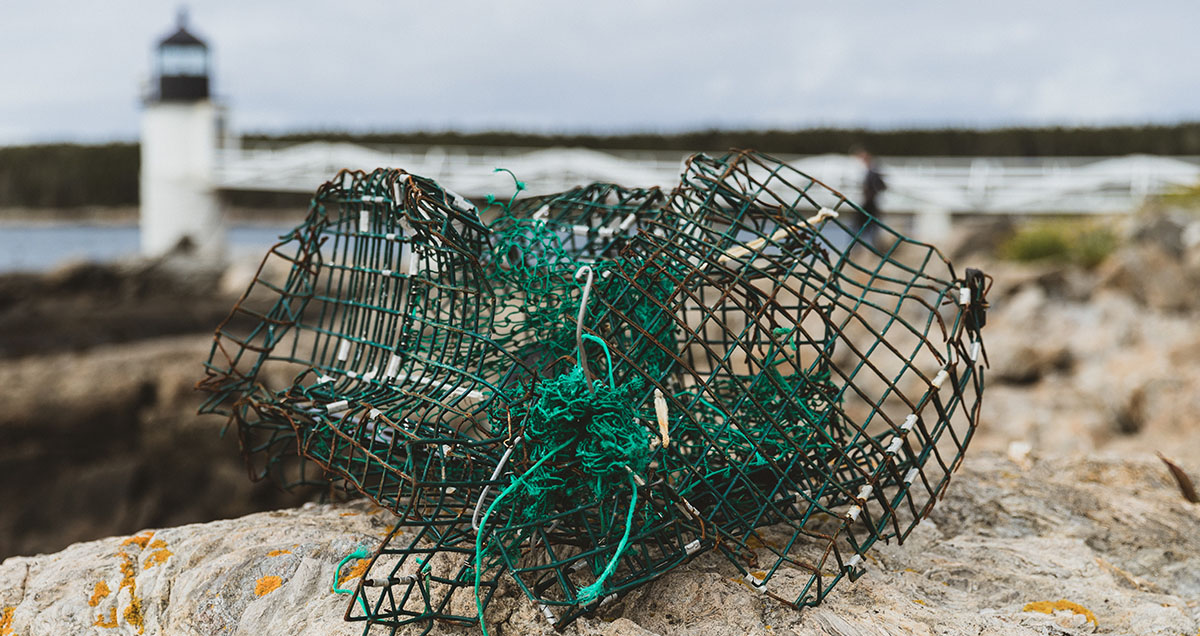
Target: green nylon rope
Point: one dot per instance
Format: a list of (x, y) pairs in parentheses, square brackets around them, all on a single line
[(359, 553), (486, 515), (592, 592)]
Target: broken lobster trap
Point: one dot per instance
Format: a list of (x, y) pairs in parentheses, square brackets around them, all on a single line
[(596, 386)]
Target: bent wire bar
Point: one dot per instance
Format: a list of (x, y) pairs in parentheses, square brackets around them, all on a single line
[(593, 387)]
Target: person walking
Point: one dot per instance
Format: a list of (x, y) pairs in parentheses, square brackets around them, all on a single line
[(872, 186)]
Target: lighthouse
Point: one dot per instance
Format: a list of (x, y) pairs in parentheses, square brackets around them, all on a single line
[(181, 131)]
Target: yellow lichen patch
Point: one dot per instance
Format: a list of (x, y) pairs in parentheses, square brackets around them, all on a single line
[(128, 571), (360, 568), (158, 544), (1049, 607), (6, 618), (267, 584), (275, 553), (108, 623), (133, 614), (156, 557), (919, 602), (98, 592), (139, 540), (349, 514)]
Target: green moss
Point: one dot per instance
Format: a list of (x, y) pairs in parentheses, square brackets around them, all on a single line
[(1083, 243)]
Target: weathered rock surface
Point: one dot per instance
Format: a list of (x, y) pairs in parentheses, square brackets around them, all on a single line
[(1076, 373), (1107, 536)]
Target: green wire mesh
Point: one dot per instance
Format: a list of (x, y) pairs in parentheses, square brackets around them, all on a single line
[(595, 386)]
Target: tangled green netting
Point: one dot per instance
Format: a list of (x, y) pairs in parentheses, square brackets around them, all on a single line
[(475, 361)]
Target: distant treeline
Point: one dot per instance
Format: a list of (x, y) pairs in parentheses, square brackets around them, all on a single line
[(1179, 139), (66, 175)]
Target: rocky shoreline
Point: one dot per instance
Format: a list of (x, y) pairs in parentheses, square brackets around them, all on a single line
[(1041, 545), (1061, 504)]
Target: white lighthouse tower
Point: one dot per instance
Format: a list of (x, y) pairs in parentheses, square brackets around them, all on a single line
[(181, 130)]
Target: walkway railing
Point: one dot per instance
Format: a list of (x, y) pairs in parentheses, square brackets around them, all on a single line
[(932, 188)]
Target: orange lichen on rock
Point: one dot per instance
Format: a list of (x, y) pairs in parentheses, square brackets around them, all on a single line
[(133, 614), (6, 618), (1049, 607), (158, 544), (360, 568), (128, 572), (139, 540), (275, 553), (157, 557), (349, 514), (98, 593), (267, 584), (108, 623)]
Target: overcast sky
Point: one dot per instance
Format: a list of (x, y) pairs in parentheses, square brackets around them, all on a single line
[(73, 70)]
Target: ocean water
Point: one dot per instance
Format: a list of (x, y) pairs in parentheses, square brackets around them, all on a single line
[(39, 248)]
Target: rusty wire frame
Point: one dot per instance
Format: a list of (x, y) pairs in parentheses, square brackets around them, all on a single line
[(821, 376)]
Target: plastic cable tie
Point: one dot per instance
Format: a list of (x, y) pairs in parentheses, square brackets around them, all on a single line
[(853, 512), (352, 374), (392, 367), (374, 414), (759, 585), (664, 423), (909, 422), (343, 350), (974, 351), (548, 614), (686, 507), (322, 380), (865, 491), (458, 201), (692, 547), (894, 446), (854, 561), (940, 378), (408, 260), (627, 222), (337, 407), (391, 236), (911, 475), (821, 215), (964, 296), (751, 246), (637, 479), (386, 272), (364, 221)]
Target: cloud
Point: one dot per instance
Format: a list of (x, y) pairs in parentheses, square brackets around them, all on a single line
[(656, 64)]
